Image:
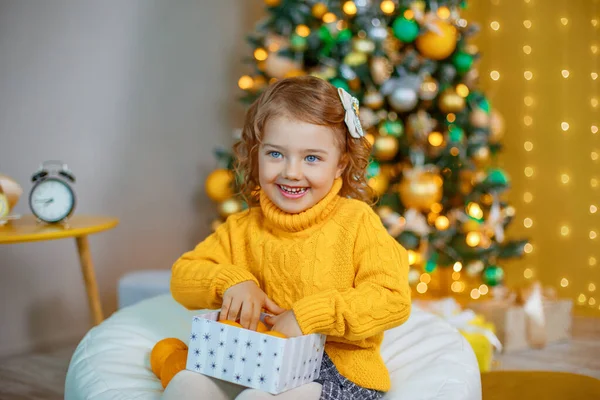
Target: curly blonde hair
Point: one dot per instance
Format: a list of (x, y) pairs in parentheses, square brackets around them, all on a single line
[(312, 100)]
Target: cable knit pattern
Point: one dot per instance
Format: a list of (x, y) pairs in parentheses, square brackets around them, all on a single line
[(334, 265)]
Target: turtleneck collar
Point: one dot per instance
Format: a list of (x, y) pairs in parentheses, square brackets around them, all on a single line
[(305, 219)]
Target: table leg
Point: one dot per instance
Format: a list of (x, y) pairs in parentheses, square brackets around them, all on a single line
[(89, 277)]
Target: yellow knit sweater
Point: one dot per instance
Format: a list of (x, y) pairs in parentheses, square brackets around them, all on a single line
[(333, 264)]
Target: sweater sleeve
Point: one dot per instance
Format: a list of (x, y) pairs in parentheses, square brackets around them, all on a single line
[(201, 276), (380, 298)]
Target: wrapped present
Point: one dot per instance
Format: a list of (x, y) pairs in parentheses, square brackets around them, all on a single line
[(253, 359), (475, 329), (527, 317)]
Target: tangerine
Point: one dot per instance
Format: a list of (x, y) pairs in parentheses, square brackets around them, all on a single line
[(232, 323), (173, 364), (276, 334), (163, 349), (261, 327)]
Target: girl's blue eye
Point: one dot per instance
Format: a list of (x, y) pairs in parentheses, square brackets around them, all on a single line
[(312, 159), (275, 154)]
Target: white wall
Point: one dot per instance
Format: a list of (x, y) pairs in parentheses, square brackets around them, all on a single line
[(133, 95)]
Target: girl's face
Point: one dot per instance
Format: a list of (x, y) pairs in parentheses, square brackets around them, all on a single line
[(297, 163)]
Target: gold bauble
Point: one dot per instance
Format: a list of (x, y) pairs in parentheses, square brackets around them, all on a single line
[(479, 118), (451, 102), (294, 73), (471, 79), (429, 89), (319, 10), (481, 157), (379, 184), (438, 46), (277, 66), (324, 73), (355, 58), (229, 207), (385, 147), (381, 69), (420, 189), (354, 84), (219, 184), (272, 3), (496, 127), (363, 45), (373, 99), (471, 225)]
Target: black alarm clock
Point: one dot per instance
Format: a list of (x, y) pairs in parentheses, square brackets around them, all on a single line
[(52, 198)]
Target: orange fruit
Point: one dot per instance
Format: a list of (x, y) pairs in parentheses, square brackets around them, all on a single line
[(276, 334), (173, 364), (163, 349), (262, 327), (232, 323)]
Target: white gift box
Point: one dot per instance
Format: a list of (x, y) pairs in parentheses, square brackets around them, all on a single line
[(250, 358)]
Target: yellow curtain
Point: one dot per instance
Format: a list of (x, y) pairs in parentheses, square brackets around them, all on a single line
[(539, 68)]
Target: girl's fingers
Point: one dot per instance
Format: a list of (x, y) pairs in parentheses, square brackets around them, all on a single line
[(255, 317), (225, 308), (234, 309), (246, 314)]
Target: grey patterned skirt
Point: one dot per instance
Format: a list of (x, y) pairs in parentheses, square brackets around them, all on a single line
[(336, 387)]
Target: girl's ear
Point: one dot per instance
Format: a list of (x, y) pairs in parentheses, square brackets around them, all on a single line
[(341, 166)]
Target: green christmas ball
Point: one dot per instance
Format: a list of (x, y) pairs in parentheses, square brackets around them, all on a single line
[(393, 128), (344, 35), (462, 61), (496, 176), (484, 104), (456, 133), (406, 30), (373, 169), (493, 275), (340, 83), (298, 43)]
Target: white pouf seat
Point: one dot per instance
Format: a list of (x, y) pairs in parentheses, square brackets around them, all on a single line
[(426, 357)]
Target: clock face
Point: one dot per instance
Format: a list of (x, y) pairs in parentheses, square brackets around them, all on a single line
[(52, 200)]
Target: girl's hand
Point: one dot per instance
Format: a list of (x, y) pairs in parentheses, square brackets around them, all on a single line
[(285, 323), (246, 300)]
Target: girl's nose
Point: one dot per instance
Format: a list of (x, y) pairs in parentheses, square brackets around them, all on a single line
[(292, 171)]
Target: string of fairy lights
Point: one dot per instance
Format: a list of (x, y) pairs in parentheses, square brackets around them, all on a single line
[(587, 289)]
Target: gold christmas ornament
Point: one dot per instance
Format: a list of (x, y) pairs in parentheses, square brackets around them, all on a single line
[(420, 189), (272, 3), (368, 118), (429, 89), (354, 84), (385, 147), (439, 42), (496, 127), (229, 207), (219, 185), (294, 73), (479, 118), (451, 102), (381, 69), (379, 184), (324, 73), (481, 157), (419, 125), (355, 58), (373, 99), (277, 66), (363, 45), (319, 10)]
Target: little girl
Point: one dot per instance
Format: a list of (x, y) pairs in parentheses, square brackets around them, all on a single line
[(310, 250)]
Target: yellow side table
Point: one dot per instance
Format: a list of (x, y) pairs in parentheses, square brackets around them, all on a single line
[(27, 229)]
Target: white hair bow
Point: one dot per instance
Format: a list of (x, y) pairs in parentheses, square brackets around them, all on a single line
[(350, 104)]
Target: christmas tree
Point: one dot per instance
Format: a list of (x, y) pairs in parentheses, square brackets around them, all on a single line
[(434, 135)]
